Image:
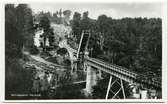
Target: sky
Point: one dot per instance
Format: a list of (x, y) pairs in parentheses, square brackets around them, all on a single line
[(114, 10)]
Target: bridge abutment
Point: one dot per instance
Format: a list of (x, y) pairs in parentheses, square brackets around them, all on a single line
[(91, 79)]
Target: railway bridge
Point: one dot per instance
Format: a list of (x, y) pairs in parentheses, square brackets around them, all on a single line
[(94, 67)]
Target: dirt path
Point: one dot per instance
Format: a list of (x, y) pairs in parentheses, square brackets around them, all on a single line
[(41, 60)]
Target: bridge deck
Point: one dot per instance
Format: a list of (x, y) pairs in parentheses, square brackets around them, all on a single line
[(118, 71)]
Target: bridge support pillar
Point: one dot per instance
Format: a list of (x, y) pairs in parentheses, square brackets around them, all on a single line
[(91, 79), (109, 86)]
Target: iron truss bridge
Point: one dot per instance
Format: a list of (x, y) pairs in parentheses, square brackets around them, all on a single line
[(120, 72)]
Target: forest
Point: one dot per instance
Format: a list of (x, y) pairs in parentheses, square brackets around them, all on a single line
[(135, 43)]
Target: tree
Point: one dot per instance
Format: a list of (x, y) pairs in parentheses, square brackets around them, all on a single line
[(12, 48), (25, 25), (102, 23), (45, 25), (51, 37), (85, 22), (67, 13), (18, 27), (55, 18), (76, 25), (66, 19)]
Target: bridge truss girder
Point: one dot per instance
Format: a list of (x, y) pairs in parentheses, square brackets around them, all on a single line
[(110, 84)]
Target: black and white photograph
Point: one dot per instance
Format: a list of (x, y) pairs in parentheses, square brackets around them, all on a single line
[(69, 51)]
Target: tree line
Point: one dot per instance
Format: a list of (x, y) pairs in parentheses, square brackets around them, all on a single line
[(55, 17), (135, 43)]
